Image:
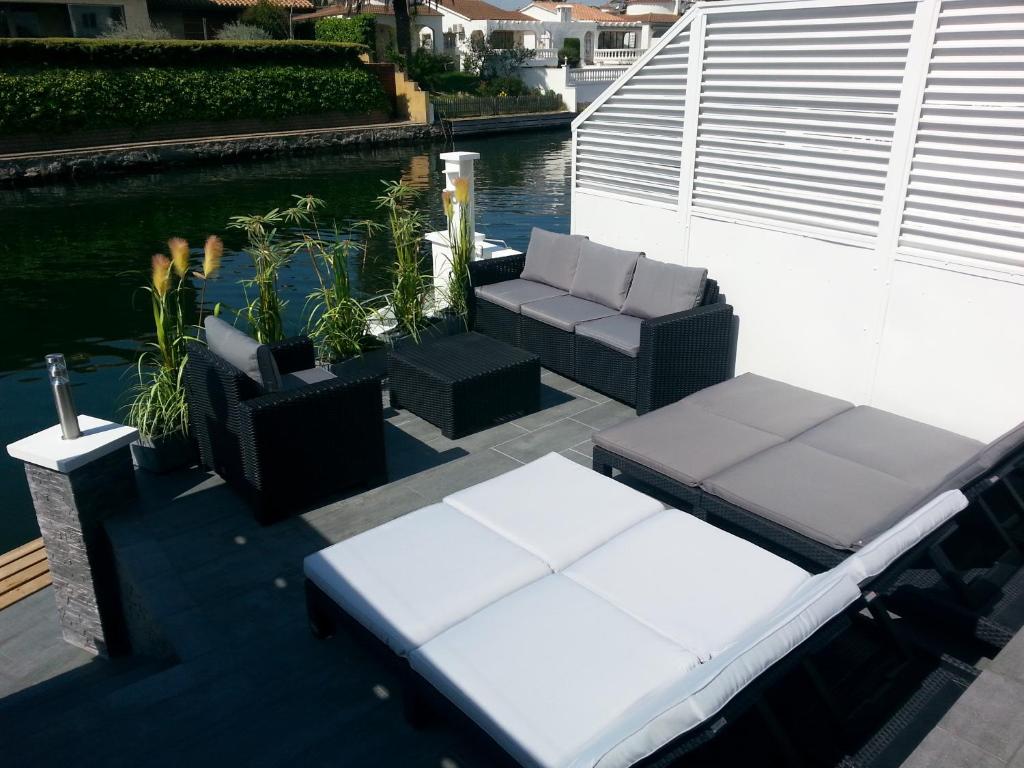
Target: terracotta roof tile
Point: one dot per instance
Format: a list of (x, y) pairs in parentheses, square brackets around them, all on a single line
[(581, 12), (375, 9), (478, 10), (247, 3)]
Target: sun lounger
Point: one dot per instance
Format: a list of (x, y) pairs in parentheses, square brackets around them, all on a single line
[(581, 623)]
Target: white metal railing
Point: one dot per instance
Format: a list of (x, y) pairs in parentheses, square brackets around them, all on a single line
[(593, 75), (618, 55)]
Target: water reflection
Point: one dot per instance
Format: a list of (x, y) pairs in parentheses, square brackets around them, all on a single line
[(73, 257)]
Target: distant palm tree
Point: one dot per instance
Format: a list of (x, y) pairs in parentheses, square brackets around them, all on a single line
[(403, 28)]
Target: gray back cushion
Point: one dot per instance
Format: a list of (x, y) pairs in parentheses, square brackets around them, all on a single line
[(552, 258), (604, 274), (246, 354), (987, 460), (662, 289)]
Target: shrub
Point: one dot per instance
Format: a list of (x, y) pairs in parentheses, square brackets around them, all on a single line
[(569, 53), (59, 52), (425, 67), (361, 29), (145, 30), (504, 86), (272, 19), (64, 100), (455, 82), (236, 30)]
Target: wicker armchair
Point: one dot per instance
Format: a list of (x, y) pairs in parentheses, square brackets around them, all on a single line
[(287, 450), (679, 353)]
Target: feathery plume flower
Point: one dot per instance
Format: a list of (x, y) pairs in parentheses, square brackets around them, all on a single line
[(212, 254), (462, 190), (161, 274), (179, 255), (446, 202)]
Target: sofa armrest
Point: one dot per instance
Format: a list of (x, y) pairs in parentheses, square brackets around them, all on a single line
[(682, 353), (294, 354), (490, 271)]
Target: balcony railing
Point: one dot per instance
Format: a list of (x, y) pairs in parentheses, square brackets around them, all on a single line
[(593, 75), (617, 55)]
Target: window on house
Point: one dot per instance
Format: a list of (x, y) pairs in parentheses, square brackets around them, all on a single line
[(616, 40), (503, 39), (94, 20)]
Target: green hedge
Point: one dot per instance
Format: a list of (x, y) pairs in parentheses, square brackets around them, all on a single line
[(361, 29), (23, 53), (66, 100)]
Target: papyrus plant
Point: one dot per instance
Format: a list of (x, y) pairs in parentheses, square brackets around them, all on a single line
[(409, 285), (461, 244)]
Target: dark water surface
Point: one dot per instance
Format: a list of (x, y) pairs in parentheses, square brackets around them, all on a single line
[(73, 256)]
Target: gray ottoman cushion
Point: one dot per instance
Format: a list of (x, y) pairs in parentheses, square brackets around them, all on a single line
[(620, 332), (299, 379), (246, 354), (916, 453), (833, 500), (565, 311), (512, 294), (552, 258), (685, 442), (604, 274), (660, 289), (769, 405)]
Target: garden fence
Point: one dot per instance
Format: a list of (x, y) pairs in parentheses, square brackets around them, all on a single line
[(448, 106)]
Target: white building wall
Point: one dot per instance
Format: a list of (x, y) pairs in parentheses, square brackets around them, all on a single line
[(926, 325)]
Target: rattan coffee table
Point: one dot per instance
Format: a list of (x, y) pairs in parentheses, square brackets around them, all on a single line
[(465, 382)]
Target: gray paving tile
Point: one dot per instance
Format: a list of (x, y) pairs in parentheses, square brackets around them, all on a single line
[(556, 380), (941, 749), (360, 513), (556, 437), (990, 715), (1009, 662), (481, 440), (555, 406), (605, 415), (586, 448), (434, 484), (579, 458), (581, 391)]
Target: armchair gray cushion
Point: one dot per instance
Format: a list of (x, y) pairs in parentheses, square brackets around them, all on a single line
[(604, 274), (660, 289), (565, 312), (246, 354), (512, 294), (620, 332), (552, 258), (299, 379)]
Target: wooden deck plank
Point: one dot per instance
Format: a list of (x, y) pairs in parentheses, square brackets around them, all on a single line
[(22, 563), (24, 549), (26, 589), (23, 576)]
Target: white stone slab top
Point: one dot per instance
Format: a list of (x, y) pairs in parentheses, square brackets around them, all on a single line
[(49, 449)]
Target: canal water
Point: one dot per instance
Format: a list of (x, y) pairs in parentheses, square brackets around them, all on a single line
[(72, 258)]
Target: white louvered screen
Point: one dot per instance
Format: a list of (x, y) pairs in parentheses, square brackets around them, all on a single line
[(966, 189), (632, 145), (797, 112)]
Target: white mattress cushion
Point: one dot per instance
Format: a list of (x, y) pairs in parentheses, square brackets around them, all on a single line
[(415, 576), (692, 582), (547, 669), (879, 553), (694, 698), (555, 508)]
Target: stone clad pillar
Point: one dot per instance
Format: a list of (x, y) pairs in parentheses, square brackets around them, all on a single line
[(75, 486)]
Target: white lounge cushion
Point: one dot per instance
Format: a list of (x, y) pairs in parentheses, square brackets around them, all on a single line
[(694, 583), (696, 697), (415, 576), (549, 668), (555, 508), (879, 553)]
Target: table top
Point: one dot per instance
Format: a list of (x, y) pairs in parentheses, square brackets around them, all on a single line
[(463, 356)]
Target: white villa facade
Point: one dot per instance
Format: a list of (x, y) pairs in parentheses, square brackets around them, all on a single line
[(852, 173)]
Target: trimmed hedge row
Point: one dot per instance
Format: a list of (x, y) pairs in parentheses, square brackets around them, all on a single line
[(66, 100), (65, 52)]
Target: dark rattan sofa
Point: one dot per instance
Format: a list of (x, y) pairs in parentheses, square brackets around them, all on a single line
[(284, 450), (641, 331)]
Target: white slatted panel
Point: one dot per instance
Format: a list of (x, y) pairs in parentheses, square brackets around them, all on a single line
[(797, 112), (632, 145), (966, 189)]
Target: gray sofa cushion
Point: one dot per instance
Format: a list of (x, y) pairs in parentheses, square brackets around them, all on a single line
[(565, 312), (769, 405), (660, 289), (916, 453), (620, 332), (994, 454), (604, 274), (685, 442), (552, 258), (835, 501), (246, 354), (300, 379), (512, 294)]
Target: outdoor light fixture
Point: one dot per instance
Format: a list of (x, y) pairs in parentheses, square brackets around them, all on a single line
[(60, 383)]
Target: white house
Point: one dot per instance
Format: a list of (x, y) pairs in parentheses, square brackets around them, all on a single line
[(852, 173), (425, 22), (464, 20)]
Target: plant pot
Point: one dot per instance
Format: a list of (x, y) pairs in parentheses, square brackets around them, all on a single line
[(164, 454)]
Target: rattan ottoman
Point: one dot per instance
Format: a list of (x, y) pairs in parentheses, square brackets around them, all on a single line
[(465, 382)]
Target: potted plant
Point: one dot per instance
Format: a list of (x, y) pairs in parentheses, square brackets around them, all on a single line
[(158, 408), (461, 246)]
